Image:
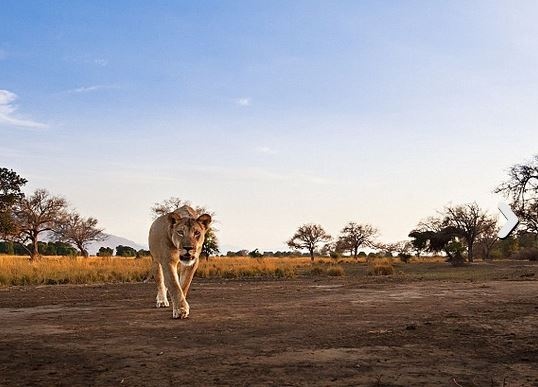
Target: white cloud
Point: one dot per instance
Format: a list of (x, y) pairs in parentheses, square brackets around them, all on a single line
[(100, 62), (243, 101), (265, 150), (7, 110), (88, 89)]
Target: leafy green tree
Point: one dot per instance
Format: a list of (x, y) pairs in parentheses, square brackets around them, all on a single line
[(6, 247), (255, 254), (105, 252), (143, 253), (10, 195), (125, 251), (419, 241)]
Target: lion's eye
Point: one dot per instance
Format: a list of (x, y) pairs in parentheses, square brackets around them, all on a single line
[(180, 233), (197, 234)]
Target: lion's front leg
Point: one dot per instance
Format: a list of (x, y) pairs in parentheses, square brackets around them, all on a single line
[(162, 299), (179, 303), (186, 275)]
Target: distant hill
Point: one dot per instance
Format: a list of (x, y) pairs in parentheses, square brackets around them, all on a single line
[(112, 241)]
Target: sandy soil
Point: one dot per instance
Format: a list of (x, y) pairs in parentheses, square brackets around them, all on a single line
[(326, 331)]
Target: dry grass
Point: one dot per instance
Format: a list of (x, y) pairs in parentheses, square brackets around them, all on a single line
[(241, 267), (16, 270), (380, 266)]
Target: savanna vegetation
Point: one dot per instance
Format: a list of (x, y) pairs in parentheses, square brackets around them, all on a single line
[(458, 234)]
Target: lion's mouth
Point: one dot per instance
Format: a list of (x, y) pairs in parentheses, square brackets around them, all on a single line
[(186, 257)]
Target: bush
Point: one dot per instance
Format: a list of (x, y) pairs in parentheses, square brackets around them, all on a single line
[(529, 254), (105, 252), (405, 257), (125, 251), (380, 266), (316, 270), (335, 271)]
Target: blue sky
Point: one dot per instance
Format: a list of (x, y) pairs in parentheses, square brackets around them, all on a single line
[(272, 114)]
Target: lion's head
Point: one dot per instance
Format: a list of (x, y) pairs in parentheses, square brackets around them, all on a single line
[(187, 233)]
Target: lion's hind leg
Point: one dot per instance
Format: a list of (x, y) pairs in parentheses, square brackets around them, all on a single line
[(162, 299)]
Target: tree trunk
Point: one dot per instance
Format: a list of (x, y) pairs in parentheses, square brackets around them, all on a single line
[(35, 250), (470, 252), (312, 255)]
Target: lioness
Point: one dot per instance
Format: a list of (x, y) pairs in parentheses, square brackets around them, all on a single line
[(176, 238)]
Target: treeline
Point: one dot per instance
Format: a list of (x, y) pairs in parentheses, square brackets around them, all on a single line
[(25, 219), (64, 249), (461, 232)]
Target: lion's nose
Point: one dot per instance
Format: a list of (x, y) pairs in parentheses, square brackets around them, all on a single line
[(188, 248)]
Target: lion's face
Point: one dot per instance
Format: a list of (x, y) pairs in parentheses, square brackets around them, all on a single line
[(187, 235)]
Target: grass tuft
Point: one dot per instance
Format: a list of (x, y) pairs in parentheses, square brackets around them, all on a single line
[(380, 266)]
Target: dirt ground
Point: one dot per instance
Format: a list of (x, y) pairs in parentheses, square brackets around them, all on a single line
[(308, 331)]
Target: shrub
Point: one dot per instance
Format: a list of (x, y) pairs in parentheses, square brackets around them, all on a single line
[(405, 257), (316, 270), (335, 271), (530, 254), (380, 266)]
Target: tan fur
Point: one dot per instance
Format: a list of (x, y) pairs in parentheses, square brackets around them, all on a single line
[(168, 236)]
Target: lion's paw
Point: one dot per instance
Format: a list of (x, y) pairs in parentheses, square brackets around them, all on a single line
[(181, 313), (162, 304)]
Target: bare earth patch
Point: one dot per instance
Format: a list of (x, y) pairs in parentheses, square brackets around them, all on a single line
[(324, 331)]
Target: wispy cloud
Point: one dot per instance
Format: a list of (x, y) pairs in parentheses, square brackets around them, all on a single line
[(244, 101), (8, 116), (100, 62), (89, 89), (265, 150)]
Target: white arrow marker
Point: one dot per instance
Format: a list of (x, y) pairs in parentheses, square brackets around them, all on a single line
[(511, 218)]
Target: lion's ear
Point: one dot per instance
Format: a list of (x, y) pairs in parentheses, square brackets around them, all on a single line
[(174, 217), (205, 219)]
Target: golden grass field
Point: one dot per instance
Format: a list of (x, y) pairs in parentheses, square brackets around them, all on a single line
[(17, 270)]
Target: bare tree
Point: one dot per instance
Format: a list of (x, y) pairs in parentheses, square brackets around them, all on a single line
[(471, 220), (36, 214), (353, 236), (309, 237), (522, 188), (79, 231)]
